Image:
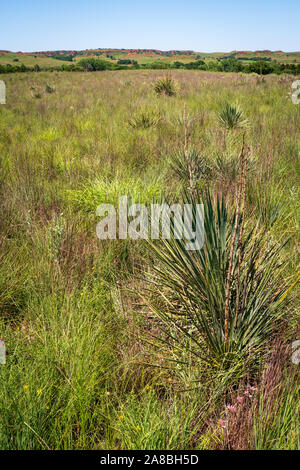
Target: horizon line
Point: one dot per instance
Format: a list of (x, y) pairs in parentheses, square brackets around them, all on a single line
[(149, 49)]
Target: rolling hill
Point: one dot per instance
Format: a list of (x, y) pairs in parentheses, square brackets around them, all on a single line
[(53, 58)]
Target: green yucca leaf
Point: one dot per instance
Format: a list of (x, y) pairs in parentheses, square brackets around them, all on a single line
[(189, 295), (165, 86), (144, 120), (232, 117), (198, 165)]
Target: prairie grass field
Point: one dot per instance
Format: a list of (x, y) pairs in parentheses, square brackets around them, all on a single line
[(128, 344)]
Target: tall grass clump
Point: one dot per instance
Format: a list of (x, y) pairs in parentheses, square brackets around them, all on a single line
[(57, 371), (188, 165), (266, 415)]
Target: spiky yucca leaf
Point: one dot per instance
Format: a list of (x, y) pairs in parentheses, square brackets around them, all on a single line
[(144, 120), (232, 117), (198, 164), (165, 86), (189, 294)]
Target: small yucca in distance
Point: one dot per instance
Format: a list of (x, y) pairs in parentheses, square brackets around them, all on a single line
[(49, 88), (165, 86), (198, 165), (144, 120), (232, 117)]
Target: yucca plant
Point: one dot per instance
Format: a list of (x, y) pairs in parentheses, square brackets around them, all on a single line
[(165, 86), (226, 167), (232, 117), (198, 312), (181, 165), (49, 88), (188, 165), (144, 120)]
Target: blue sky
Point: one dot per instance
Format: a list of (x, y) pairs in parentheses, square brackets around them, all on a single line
[(210, 25)]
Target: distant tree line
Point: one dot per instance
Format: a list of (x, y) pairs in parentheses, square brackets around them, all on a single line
[(67, 58), (92, 64)]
